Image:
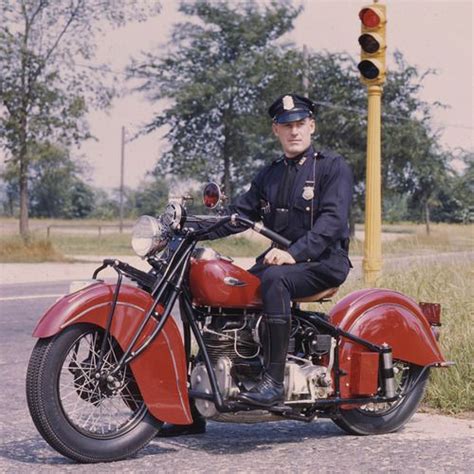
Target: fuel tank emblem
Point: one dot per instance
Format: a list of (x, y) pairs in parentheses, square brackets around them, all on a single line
[(231, 281)]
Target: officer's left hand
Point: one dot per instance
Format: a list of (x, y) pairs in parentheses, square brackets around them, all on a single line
[(278, 257)]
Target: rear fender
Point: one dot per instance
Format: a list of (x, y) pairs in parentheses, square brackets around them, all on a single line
[(380, 316), (160, 371)]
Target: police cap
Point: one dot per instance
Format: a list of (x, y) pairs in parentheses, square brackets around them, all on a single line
[(290, 108)]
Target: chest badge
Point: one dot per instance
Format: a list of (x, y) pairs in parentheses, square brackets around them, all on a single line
[(308, 192)]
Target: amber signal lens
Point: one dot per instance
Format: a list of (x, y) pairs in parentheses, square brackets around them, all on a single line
[(369, 44)]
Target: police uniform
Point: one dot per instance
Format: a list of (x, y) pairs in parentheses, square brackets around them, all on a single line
[(313, 214)]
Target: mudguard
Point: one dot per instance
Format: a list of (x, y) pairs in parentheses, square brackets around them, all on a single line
[(380, 316), (160, 371)]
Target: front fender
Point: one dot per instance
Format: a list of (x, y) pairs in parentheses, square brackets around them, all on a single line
[(381, 316), (160, 371)]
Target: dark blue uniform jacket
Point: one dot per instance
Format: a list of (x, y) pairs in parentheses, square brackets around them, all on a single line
[(318, 208)]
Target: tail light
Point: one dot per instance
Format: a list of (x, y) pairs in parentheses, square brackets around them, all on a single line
[(432, 312)]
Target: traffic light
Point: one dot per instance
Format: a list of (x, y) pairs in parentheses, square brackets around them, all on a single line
[(372, 43)]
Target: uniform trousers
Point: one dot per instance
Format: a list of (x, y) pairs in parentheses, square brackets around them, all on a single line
[(282, 283)]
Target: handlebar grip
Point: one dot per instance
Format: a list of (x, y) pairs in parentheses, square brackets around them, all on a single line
[(277, 238)]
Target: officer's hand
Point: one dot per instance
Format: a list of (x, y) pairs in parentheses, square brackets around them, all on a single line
[(278, 257)]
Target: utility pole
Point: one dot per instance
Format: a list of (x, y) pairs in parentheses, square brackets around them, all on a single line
[(305, 71), (122, 163), (372, 70)]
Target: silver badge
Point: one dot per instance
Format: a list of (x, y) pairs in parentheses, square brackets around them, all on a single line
[(308, 192), (288, 103)]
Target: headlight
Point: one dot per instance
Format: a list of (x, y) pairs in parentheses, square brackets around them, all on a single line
[(149, 235)]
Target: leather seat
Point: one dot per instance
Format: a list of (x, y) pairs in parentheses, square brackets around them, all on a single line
[(318, 297)]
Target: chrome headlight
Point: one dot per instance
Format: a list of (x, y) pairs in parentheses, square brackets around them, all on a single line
[(149, 236), (174, 215)]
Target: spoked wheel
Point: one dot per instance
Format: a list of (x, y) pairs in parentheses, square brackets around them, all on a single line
[(380, 418), (85, 416)]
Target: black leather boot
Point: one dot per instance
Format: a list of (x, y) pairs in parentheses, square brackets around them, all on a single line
[(270, 390), (198, 426)]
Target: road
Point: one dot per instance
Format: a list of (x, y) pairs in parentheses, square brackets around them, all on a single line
[(427, 443)]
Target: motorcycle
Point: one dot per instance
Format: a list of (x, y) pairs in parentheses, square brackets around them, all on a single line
[(111, 364)]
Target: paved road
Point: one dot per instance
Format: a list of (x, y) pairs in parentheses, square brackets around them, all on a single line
[(428, 443)]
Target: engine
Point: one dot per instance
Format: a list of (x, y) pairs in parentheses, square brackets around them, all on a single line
[(233, 344)]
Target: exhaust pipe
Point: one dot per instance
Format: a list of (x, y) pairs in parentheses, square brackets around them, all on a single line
[(388, 374)]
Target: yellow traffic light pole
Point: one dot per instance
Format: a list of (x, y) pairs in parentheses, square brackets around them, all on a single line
[(372, 69), (372, 262)]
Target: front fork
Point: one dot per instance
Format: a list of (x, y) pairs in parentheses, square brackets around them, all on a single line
[(171, 281)]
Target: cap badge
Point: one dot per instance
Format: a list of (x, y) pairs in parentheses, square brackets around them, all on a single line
[(308, 192), (288, 103)]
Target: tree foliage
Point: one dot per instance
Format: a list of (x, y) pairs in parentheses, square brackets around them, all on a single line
[(56, 184), (225, 66), (220, 70), (46, 77)]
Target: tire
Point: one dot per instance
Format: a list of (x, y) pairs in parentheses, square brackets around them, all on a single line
[(375, 418), (79, 416)]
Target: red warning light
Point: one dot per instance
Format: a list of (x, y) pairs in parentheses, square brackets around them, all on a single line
[(369, 18)]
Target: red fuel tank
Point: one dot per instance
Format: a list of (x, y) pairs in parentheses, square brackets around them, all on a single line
[(219, 283)]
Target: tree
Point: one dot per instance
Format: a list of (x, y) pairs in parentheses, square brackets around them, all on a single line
[(55, 183), (414, 168), (46, 81), (219, 73), (151, 197)]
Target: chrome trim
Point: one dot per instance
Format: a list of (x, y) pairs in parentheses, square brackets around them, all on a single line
[(231, 281)]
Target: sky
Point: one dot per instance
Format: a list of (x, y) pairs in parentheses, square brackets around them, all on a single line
[(431, 34)]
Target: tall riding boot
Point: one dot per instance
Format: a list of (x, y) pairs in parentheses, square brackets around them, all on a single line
[(270, 390)]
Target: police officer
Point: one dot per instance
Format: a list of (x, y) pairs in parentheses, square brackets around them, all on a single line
[(305, 196)]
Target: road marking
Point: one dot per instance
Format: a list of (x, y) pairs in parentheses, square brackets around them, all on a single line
[(29, 297)]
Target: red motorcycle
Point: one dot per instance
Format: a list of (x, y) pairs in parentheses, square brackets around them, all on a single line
[(111, 365)]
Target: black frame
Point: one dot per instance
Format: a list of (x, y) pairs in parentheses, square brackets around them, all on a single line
[(172, 284)]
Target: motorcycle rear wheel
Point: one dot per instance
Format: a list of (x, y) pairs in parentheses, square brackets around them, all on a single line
[(82, 418), (385, 418)]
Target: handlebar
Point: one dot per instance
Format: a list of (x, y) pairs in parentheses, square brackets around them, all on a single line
[(234, 219)]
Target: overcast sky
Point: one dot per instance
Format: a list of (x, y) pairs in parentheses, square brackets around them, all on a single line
[(431, 34)]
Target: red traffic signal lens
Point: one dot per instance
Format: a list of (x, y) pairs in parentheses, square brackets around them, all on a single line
[(369, 44), (368, 69), (369, 18)]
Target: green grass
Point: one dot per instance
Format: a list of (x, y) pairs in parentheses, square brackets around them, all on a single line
[(14, 249), (413, 240), (109, 244), (237, 246), (450, 390)]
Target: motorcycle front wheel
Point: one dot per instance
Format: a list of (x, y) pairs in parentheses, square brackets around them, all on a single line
[(86, 418), (381, 418)]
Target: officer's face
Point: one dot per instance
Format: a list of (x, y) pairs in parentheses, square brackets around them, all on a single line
[(295, 137)]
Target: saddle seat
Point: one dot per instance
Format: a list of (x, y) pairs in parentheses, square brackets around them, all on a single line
[(318, 297)]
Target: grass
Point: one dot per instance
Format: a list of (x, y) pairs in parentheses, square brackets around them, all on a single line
[(81, 237), (450, 390), (107, 244), (411, 239), (14, 249)]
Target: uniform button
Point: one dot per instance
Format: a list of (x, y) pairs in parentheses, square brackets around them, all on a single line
[(308, 208), (309, 260)]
